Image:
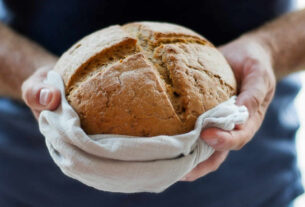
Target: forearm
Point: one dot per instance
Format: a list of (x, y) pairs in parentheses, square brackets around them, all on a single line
[(284, 38), (19, 58)]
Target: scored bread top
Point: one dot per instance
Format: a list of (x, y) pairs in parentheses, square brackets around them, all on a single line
[(86, 50), (144, 79)]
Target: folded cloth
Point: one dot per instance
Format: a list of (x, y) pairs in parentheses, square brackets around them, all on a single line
[(128, 164)]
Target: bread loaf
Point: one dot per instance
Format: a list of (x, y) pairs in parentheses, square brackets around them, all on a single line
[(144, 79)]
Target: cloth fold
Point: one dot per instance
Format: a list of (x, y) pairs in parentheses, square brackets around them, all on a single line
[(128, 164)]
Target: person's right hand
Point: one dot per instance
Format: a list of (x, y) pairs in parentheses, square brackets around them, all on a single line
[(251, 61), (38, 95)]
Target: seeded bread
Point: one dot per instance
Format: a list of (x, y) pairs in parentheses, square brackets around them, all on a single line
[(144, 79)]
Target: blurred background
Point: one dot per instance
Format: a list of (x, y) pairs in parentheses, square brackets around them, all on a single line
[(300, 104)]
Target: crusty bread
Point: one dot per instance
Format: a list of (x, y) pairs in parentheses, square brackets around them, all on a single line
[(144, 79)]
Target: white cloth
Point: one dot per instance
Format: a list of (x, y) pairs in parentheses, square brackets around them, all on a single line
[(119, 163)]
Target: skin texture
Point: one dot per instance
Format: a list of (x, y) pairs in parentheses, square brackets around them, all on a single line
[(19, 58), (252, 57), (253, 70), (258, 59), (285, 38)]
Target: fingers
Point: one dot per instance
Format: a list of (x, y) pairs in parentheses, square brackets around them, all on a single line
[(38, 95), (256, 81), (256, 93), (208, 166), (222, 140)]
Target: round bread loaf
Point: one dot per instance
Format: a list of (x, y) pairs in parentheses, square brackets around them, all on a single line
[(144, 79)]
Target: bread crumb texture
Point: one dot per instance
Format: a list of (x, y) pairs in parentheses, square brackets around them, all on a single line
[(144, 79)]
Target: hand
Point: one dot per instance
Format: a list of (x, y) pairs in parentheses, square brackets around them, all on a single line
[(251, 62), (207, 166), (38, 95)]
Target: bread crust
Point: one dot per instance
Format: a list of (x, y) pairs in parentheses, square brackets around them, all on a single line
[(144, 79)]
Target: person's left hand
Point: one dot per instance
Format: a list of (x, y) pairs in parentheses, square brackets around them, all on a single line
[(251, 61)]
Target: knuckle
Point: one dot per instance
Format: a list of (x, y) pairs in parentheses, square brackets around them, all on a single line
[(223, 145), (222, 141), (227, 142), (245, 137), (30, 95)]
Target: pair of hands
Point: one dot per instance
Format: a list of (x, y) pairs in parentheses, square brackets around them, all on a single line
[(251, 62)]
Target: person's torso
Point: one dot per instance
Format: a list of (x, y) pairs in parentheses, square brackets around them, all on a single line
[(57, 24)]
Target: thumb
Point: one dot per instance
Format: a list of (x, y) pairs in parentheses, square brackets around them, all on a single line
[(38, 95), (41, 97)]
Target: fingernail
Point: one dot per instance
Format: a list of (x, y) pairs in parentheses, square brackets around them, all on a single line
[(212, 141), (45, 96)]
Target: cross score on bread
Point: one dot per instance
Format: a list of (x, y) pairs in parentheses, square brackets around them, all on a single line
[(144, 79)]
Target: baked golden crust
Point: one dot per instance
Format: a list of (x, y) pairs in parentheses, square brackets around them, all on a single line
[(89, 49), (144, 79), (126, 97)]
